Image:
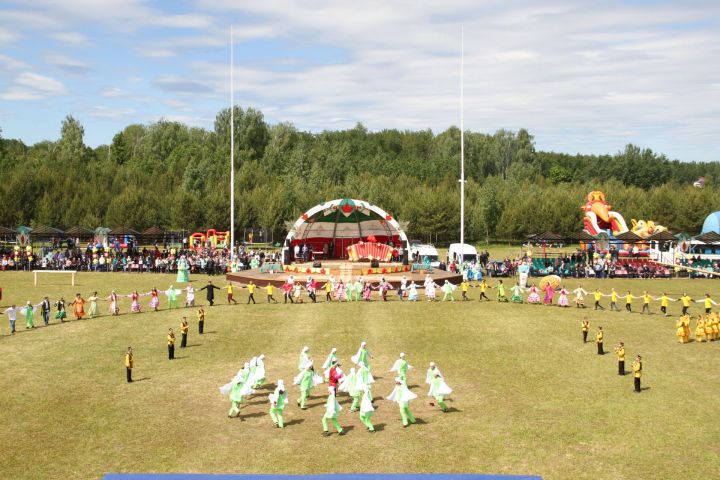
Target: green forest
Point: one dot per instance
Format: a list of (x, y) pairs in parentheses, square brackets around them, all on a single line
[(170, 175)]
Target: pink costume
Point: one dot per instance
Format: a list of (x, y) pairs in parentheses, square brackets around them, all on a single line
[(563, 300), (114, 307), (135, 306), (549, 293), (533, 297), (154, 300), (367, 291), (340, 291)]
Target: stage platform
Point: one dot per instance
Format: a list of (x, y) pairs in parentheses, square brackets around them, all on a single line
[(345, 270)]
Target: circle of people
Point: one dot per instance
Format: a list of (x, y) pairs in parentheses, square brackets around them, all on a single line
[(357, 383)]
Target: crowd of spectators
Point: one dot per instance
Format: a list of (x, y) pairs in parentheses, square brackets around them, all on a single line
[(156, 259)]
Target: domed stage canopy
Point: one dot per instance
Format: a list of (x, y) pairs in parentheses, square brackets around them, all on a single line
[(333, 226)]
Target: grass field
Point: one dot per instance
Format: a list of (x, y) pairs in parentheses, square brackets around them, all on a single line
[(529, 397)]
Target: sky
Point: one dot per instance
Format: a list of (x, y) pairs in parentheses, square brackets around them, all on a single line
[(581, 76)]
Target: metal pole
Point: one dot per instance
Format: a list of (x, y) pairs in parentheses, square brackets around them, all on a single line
[(462, 144), (232, 151)]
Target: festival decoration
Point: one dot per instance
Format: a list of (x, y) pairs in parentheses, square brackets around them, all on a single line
[(600, 217)]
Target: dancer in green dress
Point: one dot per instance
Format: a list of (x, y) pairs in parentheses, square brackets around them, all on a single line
[(366, 377), (28, 311), (402, 396), (447, 289), (366, 409), (278, 400), (332, 410), (357, 289), (439, 390), (362, 355), (517, 294), (172, 294), (257, 371), (304, 359), (401, 366), (331, 358), (353, 385), (306, 380), (501, 297), (236, 398)]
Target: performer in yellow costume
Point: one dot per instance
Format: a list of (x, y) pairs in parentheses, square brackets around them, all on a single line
[(700, 329), (680, 329)]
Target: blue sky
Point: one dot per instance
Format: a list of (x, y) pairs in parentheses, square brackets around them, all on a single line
[(582, 76)]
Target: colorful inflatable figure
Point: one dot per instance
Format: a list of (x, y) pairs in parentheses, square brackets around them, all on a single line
[(645, 228), (599, 216)]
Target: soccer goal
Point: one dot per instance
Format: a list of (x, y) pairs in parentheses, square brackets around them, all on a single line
[(71, 272)]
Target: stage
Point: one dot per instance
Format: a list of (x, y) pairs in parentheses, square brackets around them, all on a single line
[(341, 270)]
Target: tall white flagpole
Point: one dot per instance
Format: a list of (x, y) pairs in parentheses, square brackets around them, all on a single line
[(462, 143), (232, 150)]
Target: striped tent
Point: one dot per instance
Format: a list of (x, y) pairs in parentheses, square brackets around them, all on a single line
[(334, 226)]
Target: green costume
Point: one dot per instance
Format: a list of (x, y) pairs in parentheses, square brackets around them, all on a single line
[(172, 297), (257, 371), (29, 312), (236, 397), (501, 293), (447, 289), (516, 294), (354, 386), (332, 409), (438, 390), (401, 367), (362, 356), (402, 396), (357, 290), (278, 400), (306, 384), (366, 377), (366, 410), (304, 359)]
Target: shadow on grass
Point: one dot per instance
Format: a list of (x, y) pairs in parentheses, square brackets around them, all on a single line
[(141, 379), (453, 410), (252, 415), (642, 389), (380, 427), (295, 421), (420, 421), (193, 345), (179, 358)]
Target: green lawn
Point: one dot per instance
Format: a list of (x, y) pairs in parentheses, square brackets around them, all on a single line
[(529, 397)]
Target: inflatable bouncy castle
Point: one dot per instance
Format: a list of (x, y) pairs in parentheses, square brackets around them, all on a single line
[(599, 216)]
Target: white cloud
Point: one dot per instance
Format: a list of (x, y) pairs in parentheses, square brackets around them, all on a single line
[(31, 86), (121, 15), (114, 92), (11, 63), (67, 64), (581, 76), (70, 38), (585, 74), (7, 36), (99, 111)]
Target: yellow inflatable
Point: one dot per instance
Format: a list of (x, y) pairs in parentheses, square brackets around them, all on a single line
[(645, 228)]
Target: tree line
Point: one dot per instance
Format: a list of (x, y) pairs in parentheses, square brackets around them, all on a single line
[(173, 176)]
